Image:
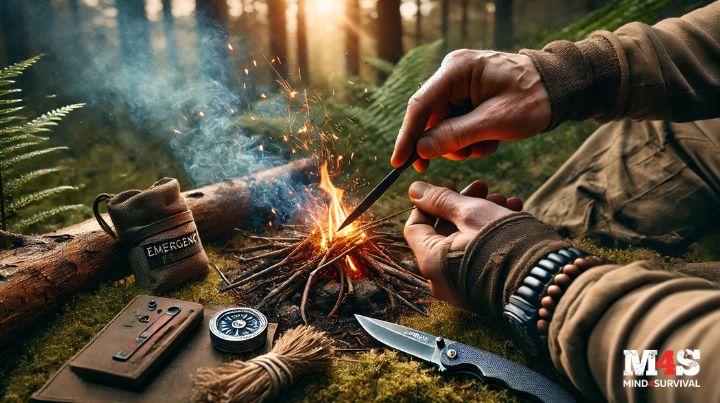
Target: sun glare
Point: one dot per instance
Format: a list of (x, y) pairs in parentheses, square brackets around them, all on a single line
[(328, 7)]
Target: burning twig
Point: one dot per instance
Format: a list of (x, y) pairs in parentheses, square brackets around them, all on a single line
[(305, 255)]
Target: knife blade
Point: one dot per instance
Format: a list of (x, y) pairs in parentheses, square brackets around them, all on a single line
[(450, 355)]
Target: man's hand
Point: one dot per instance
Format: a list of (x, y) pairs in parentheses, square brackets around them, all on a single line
[(445, 220), (508, 100)]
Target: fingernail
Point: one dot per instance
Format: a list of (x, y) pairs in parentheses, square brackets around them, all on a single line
[(418, 189), (426, 147)]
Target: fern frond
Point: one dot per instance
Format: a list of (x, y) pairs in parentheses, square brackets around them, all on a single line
[(8, 163), (9, 111), (36, 218), (17, 147), (37, 196), (10, 91), (25, 178), (16, 69), (380, 64), (5, 139), (51, 118)]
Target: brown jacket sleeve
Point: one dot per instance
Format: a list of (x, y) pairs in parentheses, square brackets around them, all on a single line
[(667, 71), (604, 311)]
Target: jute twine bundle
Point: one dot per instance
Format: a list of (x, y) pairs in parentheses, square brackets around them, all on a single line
[(299, 351)]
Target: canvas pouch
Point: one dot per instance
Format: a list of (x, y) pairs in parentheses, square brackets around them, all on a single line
[(158, 232)]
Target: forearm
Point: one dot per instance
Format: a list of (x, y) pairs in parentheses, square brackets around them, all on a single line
[(613, 308), (668, 71), (604, 310)]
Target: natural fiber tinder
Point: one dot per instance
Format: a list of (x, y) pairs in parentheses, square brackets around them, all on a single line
[(299, 351)]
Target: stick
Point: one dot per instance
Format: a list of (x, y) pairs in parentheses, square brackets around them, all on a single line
[(266, 255), (287, 259), (341, 293), (278, 290)]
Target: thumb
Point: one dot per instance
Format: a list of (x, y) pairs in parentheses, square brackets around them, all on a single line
[(438, 201)]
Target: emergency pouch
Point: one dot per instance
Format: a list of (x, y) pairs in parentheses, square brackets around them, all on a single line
[(158, 233)]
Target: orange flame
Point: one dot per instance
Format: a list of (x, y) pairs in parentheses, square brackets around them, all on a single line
[(336, 214)]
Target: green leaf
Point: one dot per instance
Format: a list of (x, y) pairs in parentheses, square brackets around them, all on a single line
[(25, 178), (37, 196), (4, 141), (50, 118), (18, 68), (16, 147), (23, 157), (37, 217)]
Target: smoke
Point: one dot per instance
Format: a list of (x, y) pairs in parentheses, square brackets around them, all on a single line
[(178, 80)]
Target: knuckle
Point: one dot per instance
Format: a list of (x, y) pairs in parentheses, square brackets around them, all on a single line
[(456, 55), (441, 198), (415, 102)]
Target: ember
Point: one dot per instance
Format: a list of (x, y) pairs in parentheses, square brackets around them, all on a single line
[(316, 252)]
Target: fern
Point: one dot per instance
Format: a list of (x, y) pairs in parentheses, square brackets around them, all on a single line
[(20, 143)]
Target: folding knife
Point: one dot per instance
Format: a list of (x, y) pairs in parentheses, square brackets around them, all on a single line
[(450, 355)]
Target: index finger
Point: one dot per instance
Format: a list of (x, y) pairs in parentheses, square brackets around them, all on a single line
[(432, 97)]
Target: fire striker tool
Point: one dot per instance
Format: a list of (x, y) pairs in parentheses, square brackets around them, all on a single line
[(237, 330), (450, 355), (378, 191), (145, 335), (384, 185)]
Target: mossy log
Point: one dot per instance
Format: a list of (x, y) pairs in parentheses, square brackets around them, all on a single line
[(38, 272)]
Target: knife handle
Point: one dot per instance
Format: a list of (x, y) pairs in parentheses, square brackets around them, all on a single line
[(502, 372)]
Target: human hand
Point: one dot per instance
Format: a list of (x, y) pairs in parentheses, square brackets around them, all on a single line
[(446, 221), (505, 92)]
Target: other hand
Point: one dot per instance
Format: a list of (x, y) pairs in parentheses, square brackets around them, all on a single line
[(446, 221), (505, 92)]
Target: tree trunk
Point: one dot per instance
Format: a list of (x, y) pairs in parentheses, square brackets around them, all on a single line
[(169, 27), (445, 23), (352, 37), (503, 24), (464, 23), (389, 33), (14, 30), (212, 19), (418, 23), (40, 271), (302, 45), (278, 35)]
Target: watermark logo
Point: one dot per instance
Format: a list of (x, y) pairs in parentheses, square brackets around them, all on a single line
[(648, 363)]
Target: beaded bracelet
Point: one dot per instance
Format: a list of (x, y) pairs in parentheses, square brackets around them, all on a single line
[(530, 309), (554, 292)]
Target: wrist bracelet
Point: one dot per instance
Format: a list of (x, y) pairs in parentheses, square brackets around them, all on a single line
[(529, 310)]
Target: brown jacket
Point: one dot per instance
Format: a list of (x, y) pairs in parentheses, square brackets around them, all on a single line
[(669, 71)]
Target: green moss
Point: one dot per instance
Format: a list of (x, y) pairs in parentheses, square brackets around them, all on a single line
[(27, 365)]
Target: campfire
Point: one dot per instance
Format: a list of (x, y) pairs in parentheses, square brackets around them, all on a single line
[(307, 255)]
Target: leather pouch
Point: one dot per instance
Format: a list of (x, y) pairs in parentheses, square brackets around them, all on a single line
[(158, 232)]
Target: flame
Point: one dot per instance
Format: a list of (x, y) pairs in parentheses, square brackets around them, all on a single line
[(336, 214)]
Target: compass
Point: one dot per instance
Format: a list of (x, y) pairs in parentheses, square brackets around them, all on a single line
[(237, 330)]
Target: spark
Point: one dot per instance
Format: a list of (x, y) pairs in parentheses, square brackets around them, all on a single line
[(176, 131), (263, 96), (247, 72), (255, 63), (261, 148), (293, 94), (201, 114), (230, 47)]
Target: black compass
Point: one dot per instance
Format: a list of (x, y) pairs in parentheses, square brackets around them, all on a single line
[(236, 330)]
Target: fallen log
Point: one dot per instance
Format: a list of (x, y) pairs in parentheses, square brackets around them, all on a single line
[(38, 272)]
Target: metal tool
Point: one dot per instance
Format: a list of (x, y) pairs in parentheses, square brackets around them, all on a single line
[(237, 330), (450, 355), (384, 185), (145, 335), (378, 191)]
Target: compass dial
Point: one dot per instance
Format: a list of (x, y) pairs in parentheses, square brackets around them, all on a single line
[(237, 330)]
